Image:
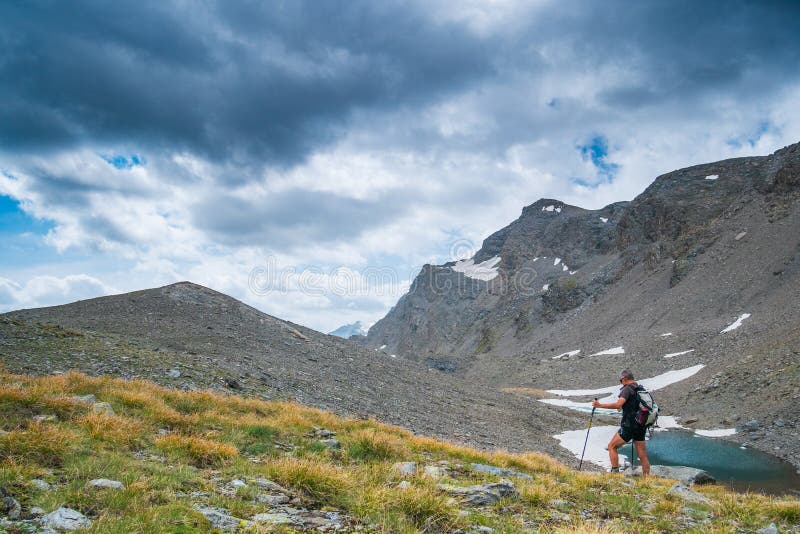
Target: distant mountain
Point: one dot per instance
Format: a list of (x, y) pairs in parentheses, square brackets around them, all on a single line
[(348, 330), (702, 268)]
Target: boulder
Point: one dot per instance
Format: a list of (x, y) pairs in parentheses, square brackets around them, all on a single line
[(769, 529), (40, 484), (435, 471), (483, 494), (686, 475), (174, 373), (688, 495), (331, 443), (85, 399), (407, 469), (65, 519), (220, 518), (103, 408), (106, 483), (500, 471)]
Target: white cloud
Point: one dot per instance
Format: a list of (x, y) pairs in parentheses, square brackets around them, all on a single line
[(49, 290)]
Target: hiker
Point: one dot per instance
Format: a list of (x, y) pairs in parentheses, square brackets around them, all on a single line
[(629, 428)]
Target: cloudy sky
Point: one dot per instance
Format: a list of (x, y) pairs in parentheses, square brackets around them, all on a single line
[(310, 157)]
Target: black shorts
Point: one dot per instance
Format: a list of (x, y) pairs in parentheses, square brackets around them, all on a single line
[(636, 433)]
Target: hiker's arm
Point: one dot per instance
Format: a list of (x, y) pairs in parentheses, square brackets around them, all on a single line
[(611, 405)]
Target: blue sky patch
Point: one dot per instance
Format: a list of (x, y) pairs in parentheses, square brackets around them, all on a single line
[(596, 150), (124, 162)]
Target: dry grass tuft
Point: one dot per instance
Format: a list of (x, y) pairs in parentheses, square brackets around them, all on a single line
[(40, 443), (113, 429), (199, 451)]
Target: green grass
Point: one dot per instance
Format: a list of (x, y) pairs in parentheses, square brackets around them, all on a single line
[(165, 444)]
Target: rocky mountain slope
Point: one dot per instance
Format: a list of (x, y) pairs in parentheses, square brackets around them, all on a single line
[(662, 280), (188, 336)]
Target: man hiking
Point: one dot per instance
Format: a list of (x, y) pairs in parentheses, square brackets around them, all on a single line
[(629, 428)]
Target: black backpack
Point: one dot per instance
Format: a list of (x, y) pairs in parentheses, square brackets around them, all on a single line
[(647, 411)]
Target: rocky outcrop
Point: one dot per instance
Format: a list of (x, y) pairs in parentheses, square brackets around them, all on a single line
[(698, 248)]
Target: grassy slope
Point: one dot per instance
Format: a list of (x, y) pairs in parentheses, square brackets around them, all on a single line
[(216, 438)]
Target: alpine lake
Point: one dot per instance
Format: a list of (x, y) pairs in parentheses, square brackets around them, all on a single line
[(741, 468)]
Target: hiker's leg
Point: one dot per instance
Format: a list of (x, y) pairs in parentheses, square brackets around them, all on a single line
[(615, 443), (641, 452)]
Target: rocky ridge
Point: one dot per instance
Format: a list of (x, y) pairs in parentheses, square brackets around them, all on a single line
[(665, 277)]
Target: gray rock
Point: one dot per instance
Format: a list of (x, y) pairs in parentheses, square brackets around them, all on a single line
[(687, 475), (35, 511), (273, 500), (769, 529), (483, 494), (10, 507), (40, 484), (49, 418), (263, 483), (331, 443), (272, 519), (65, 519), (220, 518), (323, 433), (407, 469), (174, 373), (85, 399), (404, 484), (750, 426), (237, 483), (688, 495), (106, 483), (102, 407), (434, 471), (500, 471)]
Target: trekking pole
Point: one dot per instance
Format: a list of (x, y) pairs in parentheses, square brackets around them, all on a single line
[(587, 438)]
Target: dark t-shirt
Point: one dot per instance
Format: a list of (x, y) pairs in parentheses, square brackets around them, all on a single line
[(630, 407)]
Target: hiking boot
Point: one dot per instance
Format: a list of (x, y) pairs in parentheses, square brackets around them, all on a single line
[(614, 470)]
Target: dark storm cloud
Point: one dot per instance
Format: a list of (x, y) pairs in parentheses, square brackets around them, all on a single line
[(293, 219), (230, 80), (687, 50)]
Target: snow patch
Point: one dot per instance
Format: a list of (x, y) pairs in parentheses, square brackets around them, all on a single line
[(667, 334), (536, 259), (712, 176), (673, 354), (382, 347), (599, 436), (716, 433), (585, 407), (665, 422), (652, 384), (552, 208), (556, 261), (573, 272), (604, 219), (545, 287), (736, 324), (564, 267), (486, 270), (609, 352), (393, 355), (569, 354)]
